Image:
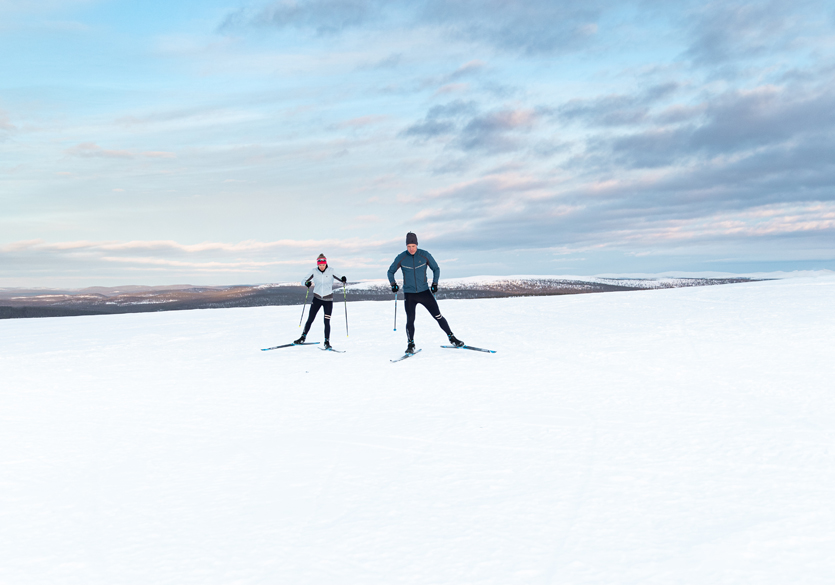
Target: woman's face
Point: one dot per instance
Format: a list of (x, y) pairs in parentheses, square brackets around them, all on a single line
[(322, 266)]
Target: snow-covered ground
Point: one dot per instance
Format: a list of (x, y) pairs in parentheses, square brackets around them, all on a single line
[(661, 436)]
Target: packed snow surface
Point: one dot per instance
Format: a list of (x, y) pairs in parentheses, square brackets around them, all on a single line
[(660, 436)]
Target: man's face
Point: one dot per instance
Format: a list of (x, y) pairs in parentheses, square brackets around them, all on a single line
[(412, 248)]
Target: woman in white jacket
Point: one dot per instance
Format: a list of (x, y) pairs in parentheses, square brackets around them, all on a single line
[(321, 278)]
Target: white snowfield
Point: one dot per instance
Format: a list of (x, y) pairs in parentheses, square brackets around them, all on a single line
[(678, 436)]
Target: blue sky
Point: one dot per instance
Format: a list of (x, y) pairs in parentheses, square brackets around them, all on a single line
[(223, 142)]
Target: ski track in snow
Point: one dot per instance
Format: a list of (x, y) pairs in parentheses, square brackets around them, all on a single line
[(665, 436)]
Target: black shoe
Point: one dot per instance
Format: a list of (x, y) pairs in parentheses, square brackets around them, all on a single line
[(301, 339), (456, 342), (411, 347), (327, 344)]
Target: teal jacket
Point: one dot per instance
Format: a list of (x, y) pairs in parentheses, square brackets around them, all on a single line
[(414, 270)]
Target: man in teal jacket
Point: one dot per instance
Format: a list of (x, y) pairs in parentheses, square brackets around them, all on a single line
[(413, 263)]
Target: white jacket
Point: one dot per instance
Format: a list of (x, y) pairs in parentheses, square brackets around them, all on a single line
[(322, 282)]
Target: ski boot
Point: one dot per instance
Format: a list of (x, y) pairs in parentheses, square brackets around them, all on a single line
[(411, 347), (327, 345), (301, 339), (456, 342)]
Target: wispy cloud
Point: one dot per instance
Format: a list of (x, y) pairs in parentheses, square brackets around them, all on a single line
[(525, 26), (324, 17), (361, 122), (496, 131), (441, 120), (93, 150), (617, 110), (735, 121), (263, 261), (6, 126), (723, 32)]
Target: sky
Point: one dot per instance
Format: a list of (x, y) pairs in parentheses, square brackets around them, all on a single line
[(221, 142)]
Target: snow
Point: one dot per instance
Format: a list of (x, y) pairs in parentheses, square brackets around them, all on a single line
[(660, 436)]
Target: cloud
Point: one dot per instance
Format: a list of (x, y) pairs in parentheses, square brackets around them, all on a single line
[(452, 88), (174, 247), (731, 123), (324, 17), (6, 127), (440, 120), (703, 181), (167, 259), (525, 26), (616, 110), (93, 150), (467, 70), (496, 131), (391, 62), (469, 130), (5, 124), (361, 122), (727, 31)]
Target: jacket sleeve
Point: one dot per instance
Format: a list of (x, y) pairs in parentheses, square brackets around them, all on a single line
[(335, 275), (393, 268), (308, 277), (436, 270)]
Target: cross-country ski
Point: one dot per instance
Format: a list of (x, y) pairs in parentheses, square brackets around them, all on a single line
[(290, 345), (406, 356), (469, 347)]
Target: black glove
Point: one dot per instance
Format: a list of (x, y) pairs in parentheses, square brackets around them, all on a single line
[(307, 283), (395, 288), (434, 287), (344, 279)]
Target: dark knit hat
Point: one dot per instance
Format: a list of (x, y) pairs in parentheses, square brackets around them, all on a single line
[(411, 239)]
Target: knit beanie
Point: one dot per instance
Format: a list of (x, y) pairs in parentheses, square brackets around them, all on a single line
[(411, 239)]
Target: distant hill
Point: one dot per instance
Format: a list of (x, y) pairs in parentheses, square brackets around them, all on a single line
[(26, 303)]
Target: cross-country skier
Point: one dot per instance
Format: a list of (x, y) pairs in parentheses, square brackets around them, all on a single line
[(321, 278), (413, 263)]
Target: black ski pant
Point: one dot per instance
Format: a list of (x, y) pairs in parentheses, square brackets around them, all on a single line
[(314, 308), (427, 299)]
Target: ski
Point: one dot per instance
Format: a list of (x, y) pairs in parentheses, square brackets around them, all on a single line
[(331, 349), (290, 345), (404, 356), (469, 347)]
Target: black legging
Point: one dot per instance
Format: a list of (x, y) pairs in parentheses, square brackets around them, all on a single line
[(427, 299), (314, 308)]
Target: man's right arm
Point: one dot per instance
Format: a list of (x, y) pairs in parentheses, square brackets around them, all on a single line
[(393, 269)]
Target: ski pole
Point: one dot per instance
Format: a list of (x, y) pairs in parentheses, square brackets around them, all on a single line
[(345, 297), (395, 311), (303, 306)]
